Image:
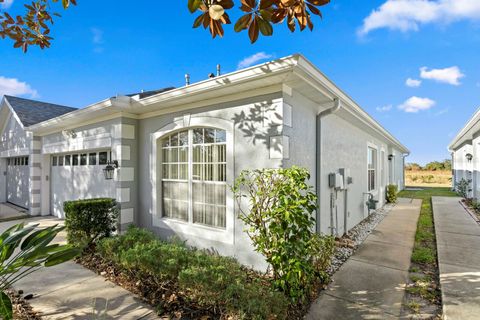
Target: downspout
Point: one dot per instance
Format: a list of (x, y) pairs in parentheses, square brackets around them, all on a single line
[(318, 163)]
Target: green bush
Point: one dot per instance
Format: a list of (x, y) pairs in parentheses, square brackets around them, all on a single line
[(87, 221), (392, 191), (211, 281), (463, 187), (280, 220)]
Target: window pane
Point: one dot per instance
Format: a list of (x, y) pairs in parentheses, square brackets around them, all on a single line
[(75, 159), (68, 160), (60, 160), (183, 138), (92, 159), (175, 200), (209, 204), (220, 136), (26, 161), (102, 158), (174, 140), (197, 136), (83, 159), (209, 135), (54, 161)]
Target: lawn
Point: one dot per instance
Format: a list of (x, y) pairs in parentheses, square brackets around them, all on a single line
[(423, 290)]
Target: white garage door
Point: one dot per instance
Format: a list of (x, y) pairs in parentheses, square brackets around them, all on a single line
[(18, 179), (79, 176)]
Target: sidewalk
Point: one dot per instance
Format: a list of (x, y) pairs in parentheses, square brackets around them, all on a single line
[(458, 246), (371, 284), (69, 291)]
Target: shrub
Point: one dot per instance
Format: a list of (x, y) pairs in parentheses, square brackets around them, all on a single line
[(210, 281), (280, 223), (89, 220), (463, 187), (392, 191)]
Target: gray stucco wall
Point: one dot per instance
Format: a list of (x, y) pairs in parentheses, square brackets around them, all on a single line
[(464, 169), (251, 140)]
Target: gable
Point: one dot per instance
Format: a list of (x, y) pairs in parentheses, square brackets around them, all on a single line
[(14, 140)]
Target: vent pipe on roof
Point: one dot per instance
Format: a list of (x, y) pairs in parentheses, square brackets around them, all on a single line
[(187, 79), (219, 70)]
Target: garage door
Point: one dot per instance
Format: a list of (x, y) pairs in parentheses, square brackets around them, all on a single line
[(18, 180), (79, 176)]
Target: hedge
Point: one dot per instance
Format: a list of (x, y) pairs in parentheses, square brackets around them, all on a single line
[(87, 221)]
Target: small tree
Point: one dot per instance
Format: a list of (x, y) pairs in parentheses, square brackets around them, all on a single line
[(463, 187), (280, 223), (392, 191)]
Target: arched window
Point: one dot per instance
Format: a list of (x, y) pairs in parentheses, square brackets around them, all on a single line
[(194, 175)]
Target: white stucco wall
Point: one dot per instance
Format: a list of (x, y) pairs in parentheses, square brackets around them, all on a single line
[(14, 141)]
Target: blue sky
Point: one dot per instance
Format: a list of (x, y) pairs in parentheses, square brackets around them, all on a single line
[(369, 48)]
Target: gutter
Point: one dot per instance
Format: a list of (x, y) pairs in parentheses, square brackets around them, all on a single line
[(318, 163)]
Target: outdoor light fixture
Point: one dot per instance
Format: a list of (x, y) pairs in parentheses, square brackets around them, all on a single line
[(390, 157), (109, 170), (469, 156)]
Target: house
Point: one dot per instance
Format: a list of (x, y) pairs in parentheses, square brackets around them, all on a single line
[(465, 151), (177, 151)]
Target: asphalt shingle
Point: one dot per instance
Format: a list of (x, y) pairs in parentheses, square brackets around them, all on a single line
[(31, 112)]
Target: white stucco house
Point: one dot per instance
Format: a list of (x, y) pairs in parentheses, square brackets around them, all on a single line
[(179, 149), (465, 151)]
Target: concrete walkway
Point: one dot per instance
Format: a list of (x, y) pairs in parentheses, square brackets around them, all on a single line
[(10, 212), (458, 246), (371, 284), (69, 291)]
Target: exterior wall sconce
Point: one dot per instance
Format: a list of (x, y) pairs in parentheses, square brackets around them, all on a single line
[(109, 170), (390, 157), (469, 156)]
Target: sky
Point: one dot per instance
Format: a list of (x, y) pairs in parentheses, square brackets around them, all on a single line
[(411, 64)]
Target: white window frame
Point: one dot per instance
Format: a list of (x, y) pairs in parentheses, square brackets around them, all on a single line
[(375, 190), (183, 228)]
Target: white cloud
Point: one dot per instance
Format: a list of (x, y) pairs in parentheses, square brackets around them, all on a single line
[(450, 75), (11, 86), (251, 60), (413, 83), (385, 108), (6, 4), (97, 36), (409, 15), (416, 104)]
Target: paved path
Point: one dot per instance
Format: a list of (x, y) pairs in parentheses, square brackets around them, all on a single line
[(69, 291), (371, 284), (9, 211), (458, 246)]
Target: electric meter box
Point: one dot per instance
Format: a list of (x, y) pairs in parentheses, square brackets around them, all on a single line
[(335, 181)]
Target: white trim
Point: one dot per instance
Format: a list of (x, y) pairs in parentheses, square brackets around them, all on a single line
[(99, 141), (15, 153), (187, 229)]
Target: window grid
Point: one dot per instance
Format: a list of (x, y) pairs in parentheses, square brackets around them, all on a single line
[(194, 176), (18, 161)]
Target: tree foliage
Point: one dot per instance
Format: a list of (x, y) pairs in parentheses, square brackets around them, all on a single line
[(280, 222), (259, 17), (445, 165)]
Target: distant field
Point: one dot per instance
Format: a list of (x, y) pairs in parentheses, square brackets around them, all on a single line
[(423, 178)]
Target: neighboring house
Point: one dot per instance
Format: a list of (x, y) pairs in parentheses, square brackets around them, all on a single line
[(179, 151), (465, 151)]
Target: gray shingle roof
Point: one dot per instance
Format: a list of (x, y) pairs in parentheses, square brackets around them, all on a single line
[(31, 112)]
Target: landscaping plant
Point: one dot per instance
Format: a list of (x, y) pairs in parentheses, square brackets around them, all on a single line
[(280, 222), (24, 250), (463, 188), (207, 281), (90, 220), (392, 191)]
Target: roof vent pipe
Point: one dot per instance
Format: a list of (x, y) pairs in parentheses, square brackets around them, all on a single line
[(187, 79), (219, 73)]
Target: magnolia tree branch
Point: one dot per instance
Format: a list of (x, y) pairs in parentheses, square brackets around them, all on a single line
[(32, 28)]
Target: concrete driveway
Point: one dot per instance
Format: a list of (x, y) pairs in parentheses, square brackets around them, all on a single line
[(9, 211), (69, 291)]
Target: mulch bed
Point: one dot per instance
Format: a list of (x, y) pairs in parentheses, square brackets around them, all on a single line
[(167, 299), (21, 308)]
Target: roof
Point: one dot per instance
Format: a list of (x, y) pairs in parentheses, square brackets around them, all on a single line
[(31, 112), (293, 72), (466, 133)]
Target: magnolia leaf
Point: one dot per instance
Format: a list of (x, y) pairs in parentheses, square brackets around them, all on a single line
[(6, 310)]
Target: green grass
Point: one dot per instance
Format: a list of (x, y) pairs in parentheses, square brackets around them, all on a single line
[(424, 255)]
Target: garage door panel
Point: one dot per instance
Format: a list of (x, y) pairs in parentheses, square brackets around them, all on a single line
[(78, 182), (18, 184)]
